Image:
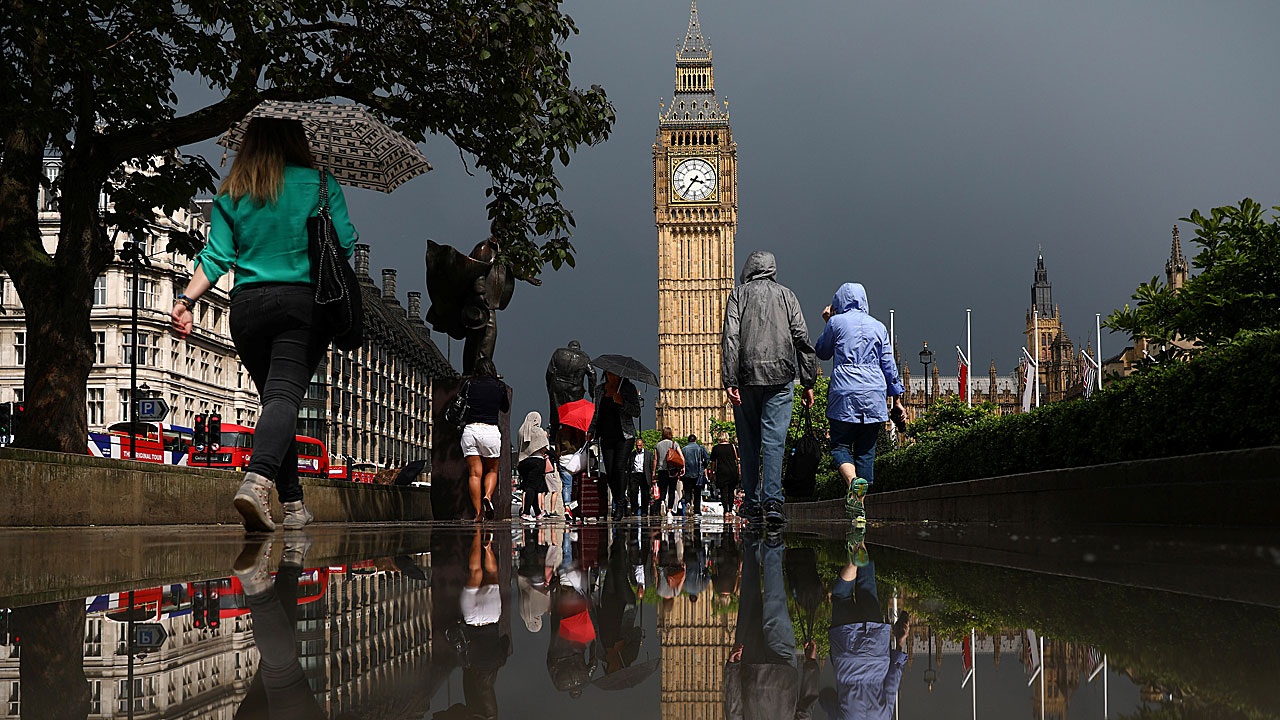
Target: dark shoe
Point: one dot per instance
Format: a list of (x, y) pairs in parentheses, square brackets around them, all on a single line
[(487, 506), (773, 513), (618, 515), (752, 513)]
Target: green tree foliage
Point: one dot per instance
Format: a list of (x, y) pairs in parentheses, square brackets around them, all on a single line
[(1237, 287), (722, 426), (1222, 399), (651, 438), (93, 81), (946, 414)]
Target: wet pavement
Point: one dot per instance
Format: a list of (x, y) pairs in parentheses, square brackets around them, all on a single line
[(639, 621)]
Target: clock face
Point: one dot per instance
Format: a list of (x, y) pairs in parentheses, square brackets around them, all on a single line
[(694, 179)]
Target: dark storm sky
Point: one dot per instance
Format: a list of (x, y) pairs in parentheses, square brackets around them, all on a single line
[(925, 149)]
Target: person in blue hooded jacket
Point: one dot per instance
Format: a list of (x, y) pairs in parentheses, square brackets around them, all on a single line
[(863, 375)]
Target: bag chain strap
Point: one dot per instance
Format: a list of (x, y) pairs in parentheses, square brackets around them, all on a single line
[(329, 259)]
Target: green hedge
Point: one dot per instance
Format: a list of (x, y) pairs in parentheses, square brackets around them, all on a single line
[(1224, 399)]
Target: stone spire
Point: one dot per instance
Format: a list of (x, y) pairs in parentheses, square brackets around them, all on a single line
[(695, 46), (1176, 269), (1042, 291)]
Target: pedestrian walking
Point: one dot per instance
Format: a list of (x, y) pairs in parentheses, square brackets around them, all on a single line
[(695, 475), (764, 344), (724, 470), (666, 474), (614, 426), (531, 464), (640, 487), (863, 375), (487, 399), (259, 226)]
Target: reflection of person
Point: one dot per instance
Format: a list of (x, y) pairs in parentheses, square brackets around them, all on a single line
[(573, 631), (614, 426), (863, 373), (566, 371), (259, 226), (486, 648), (867, 671), (487, 399), (765, 343), (761, 679), (279, 689)]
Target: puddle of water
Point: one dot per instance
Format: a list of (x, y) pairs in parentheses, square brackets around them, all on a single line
[(645, 621)]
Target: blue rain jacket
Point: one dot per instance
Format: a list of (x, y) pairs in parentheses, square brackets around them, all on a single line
[(867, 672), (864, 371)]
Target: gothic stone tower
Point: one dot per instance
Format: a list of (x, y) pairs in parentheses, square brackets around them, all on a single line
[(695, 204), (1059, 369)]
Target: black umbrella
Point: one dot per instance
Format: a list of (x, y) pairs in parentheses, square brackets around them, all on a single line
[(628, 677), (626, 367), (410, 472)]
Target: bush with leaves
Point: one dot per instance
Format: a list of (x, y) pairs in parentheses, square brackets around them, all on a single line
[(1223, 399), (946, 414), (1237, 287)]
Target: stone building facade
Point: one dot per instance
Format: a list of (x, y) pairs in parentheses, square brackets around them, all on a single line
[(199, 374), (696, 642), (1060, 371), (1002, 391), (374, 404), (695, 202), (1177, 270)]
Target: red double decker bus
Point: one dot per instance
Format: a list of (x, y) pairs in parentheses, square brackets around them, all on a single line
[(237, 448)]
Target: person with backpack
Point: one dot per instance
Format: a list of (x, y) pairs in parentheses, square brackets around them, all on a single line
[(863, 375), (764, 345), (695, 475), (669, 470)]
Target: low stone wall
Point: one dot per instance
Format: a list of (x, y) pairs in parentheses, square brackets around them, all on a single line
[(45, 488), (1234, 488)]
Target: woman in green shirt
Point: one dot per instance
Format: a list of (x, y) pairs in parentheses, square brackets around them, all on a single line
[(259, 227)]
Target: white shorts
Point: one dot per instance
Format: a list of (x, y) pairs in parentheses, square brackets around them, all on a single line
[(481, 439), (482, 605)]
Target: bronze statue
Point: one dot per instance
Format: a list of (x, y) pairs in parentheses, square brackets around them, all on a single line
[(466, 293), (568, 367)]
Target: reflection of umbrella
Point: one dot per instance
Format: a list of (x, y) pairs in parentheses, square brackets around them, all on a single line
[(578, 414), (347, 140), (627, 677), (626, 367)]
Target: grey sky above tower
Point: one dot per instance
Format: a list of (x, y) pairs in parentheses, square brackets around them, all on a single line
[(924, 149)]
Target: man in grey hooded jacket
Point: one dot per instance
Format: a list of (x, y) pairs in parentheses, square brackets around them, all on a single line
[(764, 345)]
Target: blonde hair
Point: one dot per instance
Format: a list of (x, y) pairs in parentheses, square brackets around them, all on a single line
[(267, 146)]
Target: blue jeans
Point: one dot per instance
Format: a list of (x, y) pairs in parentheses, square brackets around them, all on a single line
[(764, 625), (566, 487), (855, 443), (762, 421)]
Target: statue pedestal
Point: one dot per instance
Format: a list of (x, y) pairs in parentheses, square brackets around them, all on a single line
[(450, 494)]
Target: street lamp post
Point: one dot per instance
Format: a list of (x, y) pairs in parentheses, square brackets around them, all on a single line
[(926, 359), (132, 254)]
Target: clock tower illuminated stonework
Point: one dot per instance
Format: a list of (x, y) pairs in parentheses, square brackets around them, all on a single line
[(695, 204)]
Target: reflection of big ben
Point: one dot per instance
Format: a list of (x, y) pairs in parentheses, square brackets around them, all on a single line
[(695, 202)]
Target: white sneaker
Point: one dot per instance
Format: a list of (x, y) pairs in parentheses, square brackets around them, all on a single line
[(253, 502), (296, 515)]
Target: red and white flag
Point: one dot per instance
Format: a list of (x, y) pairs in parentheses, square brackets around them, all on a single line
[(964, 374), (1026, 387)]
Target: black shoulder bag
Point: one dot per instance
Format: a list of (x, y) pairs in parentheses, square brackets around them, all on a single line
[(802, 462), (456, 412), (337, 295)]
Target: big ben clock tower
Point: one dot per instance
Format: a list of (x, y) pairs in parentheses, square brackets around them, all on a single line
[(695, 204)]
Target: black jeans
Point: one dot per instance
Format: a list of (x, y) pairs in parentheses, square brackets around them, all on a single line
[(617, 460), (280, 344), (639, 494), (692, 496), (279, 688), (666, 488)]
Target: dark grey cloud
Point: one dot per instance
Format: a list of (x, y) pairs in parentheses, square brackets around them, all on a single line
[(923, 149)]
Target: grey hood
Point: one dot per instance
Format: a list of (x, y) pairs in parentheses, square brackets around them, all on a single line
[(760, 265)]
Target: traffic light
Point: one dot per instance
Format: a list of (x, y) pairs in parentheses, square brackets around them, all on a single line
[(212, 609), (215, 432), (199, 434), (15, 419), (6, 419), (197, 609)]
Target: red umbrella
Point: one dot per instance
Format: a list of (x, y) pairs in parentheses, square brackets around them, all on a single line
[(578, 414)]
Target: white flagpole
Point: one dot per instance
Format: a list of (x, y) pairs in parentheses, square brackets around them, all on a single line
[(1097, 349), (893, 339), (968, 355), (1035, 313)]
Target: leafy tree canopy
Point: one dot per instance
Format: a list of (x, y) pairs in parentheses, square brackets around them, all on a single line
[(1237, 287), (947, 413)]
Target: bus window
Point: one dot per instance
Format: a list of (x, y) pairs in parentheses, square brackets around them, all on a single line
[(145, 430), (175, 441), (234, 439)]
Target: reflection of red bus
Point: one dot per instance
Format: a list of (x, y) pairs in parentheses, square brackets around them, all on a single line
[(237, 448), (172, 601), (356, 472)]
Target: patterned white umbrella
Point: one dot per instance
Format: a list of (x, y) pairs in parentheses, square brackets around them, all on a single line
[(347, 140)]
